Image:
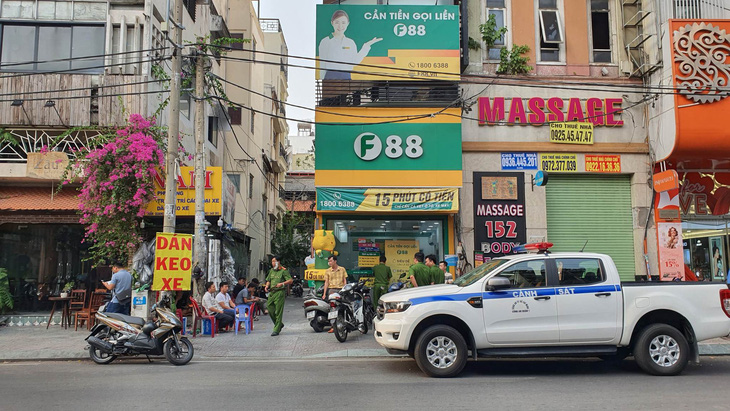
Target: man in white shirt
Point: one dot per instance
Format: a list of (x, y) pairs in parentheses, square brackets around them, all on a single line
[(224, 300), (213, 308)]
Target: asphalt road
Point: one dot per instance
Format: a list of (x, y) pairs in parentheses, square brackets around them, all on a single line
[(377, 383)]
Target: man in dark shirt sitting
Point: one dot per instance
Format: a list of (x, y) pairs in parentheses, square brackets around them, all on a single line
[(246, 296), (240, 285)]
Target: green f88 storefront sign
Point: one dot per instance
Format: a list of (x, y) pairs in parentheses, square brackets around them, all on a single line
[(424, 151), (380, 42)]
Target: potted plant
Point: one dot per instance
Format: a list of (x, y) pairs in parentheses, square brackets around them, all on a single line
[(67, 289)]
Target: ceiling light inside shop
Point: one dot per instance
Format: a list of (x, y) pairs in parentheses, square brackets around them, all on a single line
[(352, 221), (422, 221), (387, 221)]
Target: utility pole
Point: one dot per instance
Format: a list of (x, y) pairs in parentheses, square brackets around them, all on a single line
[(173, 127), (200, 239)]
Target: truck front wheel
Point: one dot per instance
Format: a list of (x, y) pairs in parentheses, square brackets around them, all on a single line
[(661, 350), (441, 351)]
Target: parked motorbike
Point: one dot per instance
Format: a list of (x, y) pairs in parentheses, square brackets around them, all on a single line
[(123, 335), (316, 310), (296, 286), (351, 309)]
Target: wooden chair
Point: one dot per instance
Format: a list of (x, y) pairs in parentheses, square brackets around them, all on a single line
[(78, 300), (87, 314)]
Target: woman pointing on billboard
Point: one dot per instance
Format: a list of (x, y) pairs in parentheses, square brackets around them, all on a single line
[(340, 48)]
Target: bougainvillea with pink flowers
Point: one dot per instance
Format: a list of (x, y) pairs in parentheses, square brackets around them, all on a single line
[(116, 184)]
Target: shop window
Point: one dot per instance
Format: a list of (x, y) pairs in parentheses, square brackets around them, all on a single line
[(527, 274), (578, 271), (551, 30), (498, 9), (36, 45), (600, 31)]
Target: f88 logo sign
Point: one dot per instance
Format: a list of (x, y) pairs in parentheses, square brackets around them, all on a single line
[(368, 146)]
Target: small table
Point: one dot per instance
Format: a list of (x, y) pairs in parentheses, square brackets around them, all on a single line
[(66, 312)]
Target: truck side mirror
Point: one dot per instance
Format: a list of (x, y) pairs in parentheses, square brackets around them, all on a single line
[(498, 283)]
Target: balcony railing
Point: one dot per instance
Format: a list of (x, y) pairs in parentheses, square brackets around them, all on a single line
[(695, 9), (282, 152), (70, 100), (384, 93), (270, 25)]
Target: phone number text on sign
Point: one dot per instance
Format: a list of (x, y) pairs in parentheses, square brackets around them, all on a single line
[(559, 162), (603, 164), (519, 161), (571, 132)]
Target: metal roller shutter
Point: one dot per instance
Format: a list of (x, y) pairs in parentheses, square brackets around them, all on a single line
[(594, 208)]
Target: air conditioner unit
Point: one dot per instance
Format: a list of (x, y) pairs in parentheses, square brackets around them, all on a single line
[(217, 24)]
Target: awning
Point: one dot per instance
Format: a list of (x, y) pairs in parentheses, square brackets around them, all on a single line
[(14, 198)]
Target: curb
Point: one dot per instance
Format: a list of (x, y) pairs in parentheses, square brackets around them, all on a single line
[(315, 357)]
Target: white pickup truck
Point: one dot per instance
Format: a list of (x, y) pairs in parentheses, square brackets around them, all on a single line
[(552, 304)]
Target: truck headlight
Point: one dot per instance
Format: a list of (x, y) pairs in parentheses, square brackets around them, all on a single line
[(397, 307)]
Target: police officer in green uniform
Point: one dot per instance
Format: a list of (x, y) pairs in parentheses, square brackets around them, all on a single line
[(276, 282), (437, 276), (382, 275), (419, 274)]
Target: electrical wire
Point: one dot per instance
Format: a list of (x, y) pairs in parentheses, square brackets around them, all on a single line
[(73, 70), (648, 89), (3, 65)]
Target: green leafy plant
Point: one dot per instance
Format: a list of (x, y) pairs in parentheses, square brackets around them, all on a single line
[(474, 45), (6, 299), (68, 287), (513, 61), (291, 239), (490, 32)]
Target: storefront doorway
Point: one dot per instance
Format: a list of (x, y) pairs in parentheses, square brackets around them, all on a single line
[(361, 240)]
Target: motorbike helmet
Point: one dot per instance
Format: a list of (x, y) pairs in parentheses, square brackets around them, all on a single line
[(148, 328), (395, 287)]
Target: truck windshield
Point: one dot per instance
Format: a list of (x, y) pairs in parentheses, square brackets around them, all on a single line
[(478, 273)]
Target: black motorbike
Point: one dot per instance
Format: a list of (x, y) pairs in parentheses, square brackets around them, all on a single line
[(123, 335), (351, 309), (297, 289)]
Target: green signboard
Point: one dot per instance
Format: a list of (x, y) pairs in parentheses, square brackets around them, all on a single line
[(424, 151), (381, 42)]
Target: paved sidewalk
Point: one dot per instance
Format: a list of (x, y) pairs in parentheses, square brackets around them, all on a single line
[(296, 341)]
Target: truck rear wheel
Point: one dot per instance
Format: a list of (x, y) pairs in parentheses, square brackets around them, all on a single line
[(441, 351), (661, 350)]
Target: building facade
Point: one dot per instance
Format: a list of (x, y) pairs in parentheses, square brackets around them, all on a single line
[(91, 64), (575, 115), (689, 139)]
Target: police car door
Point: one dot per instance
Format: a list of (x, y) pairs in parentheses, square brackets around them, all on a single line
[(588, 305), (526, 312)]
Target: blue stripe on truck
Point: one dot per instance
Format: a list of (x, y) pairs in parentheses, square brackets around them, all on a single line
[(520, 293)]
